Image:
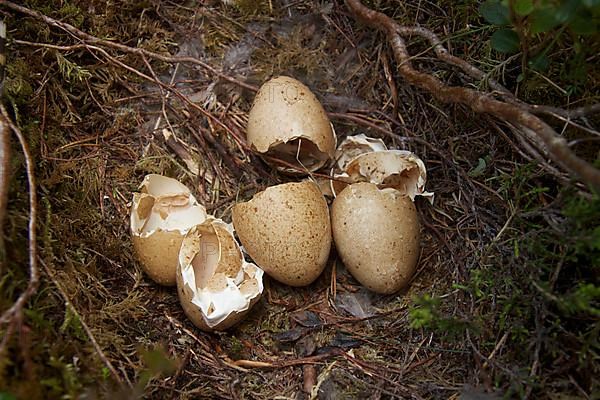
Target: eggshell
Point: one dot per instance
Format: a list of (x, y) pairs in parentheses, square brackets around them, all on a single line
[(376, 233), (194, 313), (161, 214), (157, 255), (398, 169), (353, 146), (287, 122), (287, 231), (216, 286)]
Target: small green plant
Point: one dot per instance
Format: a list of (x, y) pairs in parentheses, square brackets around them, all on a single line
[(71, 71), (536, 28), (426, 313), (549, 289), (72, 324), (157, 362), (584, 299)]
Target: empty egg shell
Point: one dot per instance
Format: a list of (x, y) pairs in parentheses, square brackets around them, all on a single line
[(348, 150), (216, 286), (161, 214), (376, 233), (353, 146), (398, 169), (288, 123), (287, 231)]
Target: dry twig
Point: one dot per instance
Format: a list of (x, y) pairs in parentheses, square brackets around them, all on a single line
[(14, 313), (4, 175)]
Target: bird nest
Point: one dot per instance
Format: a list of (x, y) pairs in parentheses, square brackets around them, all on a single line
[(505, 297)]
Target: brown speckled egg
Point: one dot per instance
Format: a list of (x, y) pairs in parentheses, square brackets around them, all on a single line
[(287, 122), (287, 231), (376, 233)]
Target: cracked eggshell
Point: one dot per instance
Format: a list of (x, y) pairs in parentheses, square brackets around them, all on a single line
[(287, 231), (354, 146), (161, 214), (398, 169), (376, 233), (216, 286), (286, 120)]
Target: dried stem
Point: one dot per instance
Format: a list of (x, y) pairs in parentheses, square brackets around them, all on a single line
[(14, 313), (4, 180)]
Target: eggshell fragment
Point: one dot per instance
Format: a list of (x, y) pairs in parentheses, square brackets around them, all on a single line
[(287, 122), (161, 214), (216, 286), (376, 232), (398, 169), (287, 231), (353, 146)]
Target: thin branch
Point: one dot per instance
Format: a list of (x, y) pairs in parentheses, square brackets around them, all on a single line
[(444, 55), (16, 310), (574, 113), (5, 151)]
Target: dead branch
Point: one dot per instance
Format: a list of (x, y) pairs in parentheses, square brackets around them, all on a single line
[(443, 54), (14, 313), (547, 139), (4, 179)]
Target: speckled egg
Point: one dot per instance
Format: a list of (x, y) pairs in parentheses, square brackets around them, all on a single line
[(287, 231), (376, 233)]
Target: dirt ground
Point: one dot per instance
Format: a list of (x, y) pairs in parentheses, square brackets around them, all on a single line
[(505, 301)]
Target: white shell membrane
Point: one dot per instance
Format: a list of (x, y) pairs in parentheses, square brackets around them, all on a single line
[(164, 204), (221, 281)]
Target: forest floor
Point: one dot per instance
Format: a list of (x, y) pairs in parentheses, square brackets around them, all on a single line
[(505, 301)]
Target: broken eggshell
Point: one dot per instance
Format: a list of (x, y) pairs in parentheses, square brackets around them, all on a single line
[(376, 233), (354, 146), (348, 150), (216, 286), (286, 230), (162, 212), (398, 169), (287, 122)]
